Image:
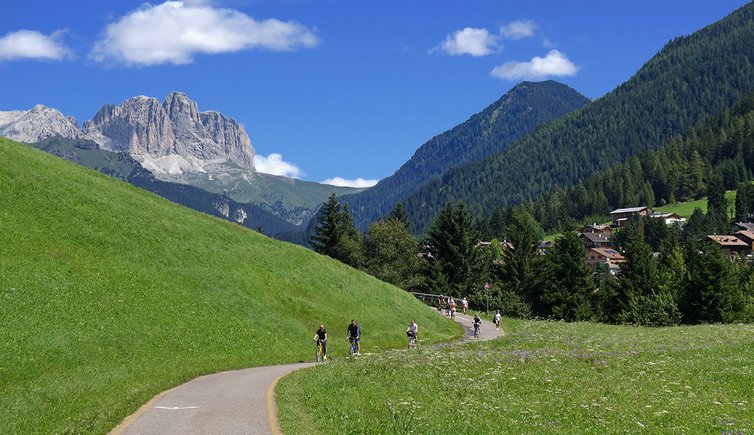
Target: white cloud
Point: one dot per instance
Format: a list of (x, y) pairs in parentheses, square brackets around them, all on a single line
[(174, 31), (554, 64), (30, 44), (476, 42), (518, 29), (342, 182), (275, 165)]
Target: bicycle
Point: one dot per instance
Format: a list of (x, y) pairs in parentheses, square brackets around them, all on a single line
[(477, 330), (411, 341), (354, 345), (320, 355)]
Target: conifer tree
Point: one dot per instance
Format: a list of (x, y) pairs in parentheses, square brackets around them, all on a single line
[(745, 202), (521, 269), (638, 272), (336, 236), (450, 243), (712, 292), (717, 205), (326, 234), (569, 288), (399, 214)]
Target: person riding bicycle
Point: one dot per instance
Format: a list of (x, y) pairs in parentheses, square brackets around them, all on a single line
[(412, 332), (477, 325), (321, 337), (354, 335), (464, 305)]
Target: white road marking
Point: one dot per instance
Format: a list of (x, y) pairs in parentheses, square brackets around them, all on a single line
[(175, 408)]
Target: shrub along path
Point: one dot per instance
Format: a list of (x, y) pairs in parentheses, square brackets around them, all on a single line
[(238, 401)]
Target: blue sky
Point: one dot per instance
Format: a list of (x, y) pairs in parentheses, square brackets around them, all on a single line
[(333, 88)]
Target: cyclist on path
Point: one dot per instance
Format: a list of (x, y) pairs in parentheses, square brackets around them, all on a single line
[(412, 332), (477, 326), (354, 334), (321, 337)]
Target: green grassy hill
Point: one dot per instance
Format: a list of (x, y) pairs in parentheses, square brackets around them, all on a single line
[(543, 377), (110, 294), (686, 209)]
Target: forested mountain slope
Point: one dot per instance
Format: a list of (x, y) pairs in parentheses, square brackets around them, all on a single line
[(679, 171), (691, 78), (515, 114)]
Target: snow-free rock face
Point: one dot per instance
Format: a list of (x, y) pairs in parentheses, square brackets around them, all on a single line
[(37, 124), (231, 136), (171, 138), (139, 126)]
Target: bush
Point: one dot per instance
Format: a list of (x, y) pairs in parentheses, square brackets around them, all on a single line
[(511, 305), (654, 309)]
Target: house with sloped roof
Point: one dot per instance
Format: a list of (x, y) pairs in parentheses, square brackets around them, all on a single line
[(604, 257), (731, 246), (622, 215), (668, 218), (596, 240), (596, 228)]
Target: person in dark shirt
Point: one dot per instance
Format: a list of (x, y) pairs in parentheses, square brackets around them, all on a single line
[(354, 334), (321, 337)]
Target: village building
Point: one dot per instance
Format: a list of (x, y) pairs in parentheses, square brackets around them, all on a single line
[(731, 246), (743, 226), (596, 228), (604, 257), (596, 240), (748, 238), (622, 215), (668, 218)]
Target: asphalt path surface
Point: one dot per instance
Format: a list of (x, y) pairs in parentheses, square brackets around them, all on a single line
[(235, 402)]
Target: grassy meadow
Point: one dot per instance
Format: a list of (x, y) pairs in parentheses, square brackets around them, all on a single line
[(543, 377), (686, 209), (109, 295)]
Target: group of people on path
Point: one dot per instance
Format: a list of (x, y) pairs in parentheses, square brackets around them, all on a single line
[(353, 334), (449, 305)]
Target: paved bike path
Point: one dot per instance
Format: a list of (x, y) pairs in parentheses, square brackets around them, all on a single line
[(489, 332), (234, 402)]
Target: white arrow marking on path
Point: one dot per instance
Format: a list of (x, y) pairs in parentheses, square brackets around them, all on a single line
[(174, 408)]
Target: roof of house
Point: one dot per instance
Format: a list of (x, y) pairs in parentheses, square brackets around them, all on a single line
[(597, 227), (629, 210), (658, 215), (611, 254), (596, 237), (727, 241), (745, 225), (746, 234)]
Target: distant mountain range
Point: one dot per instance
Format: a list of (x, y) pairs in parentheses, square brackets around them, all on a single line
[(177, 143), (522, 109), (691, 78)]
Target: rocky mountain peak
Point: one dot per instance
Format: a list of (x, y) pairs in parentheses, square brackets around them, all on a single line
[(169, 138), (179, 106), (36, 124), (172, 137)]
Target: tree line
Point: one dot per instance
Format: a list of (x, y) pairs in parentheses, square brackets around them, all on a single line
[(671, 275)]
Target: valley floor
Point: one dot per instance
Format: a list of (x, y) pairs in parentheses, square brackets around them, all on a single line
[(543, 376)]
